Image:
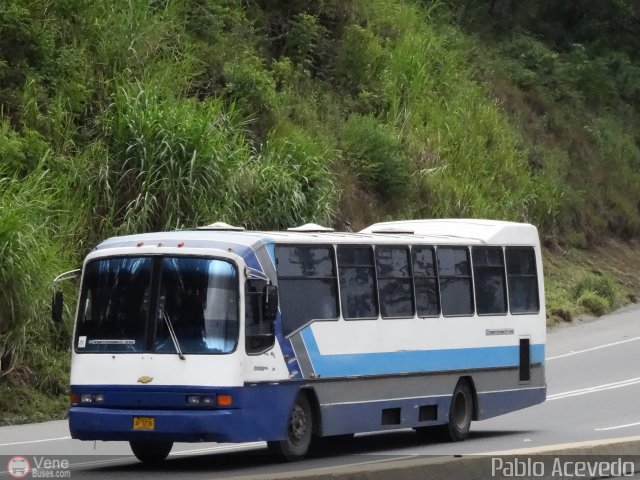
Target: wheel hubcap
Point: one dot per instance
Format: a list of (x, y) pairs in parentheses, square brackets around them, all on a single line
[(297, 424), (460, 411)]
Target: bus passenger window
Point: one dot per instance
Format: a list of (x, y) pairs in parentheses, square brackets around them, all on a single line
[(489, 281), (522, 280), (357, 282), (425, 279), (454, 272), (394, 282), (307, 285)]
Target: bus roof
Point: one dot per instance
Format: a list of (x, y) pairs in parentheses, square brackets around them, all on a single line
[(430, 232)]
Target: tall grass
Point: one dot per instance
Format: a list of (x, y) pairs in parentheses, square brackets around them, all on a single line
[(467, 160), (30, 254), (167, 158)]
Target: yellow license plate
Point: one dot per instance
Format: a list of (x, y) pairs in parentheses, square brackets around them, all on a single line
[(144, 423)]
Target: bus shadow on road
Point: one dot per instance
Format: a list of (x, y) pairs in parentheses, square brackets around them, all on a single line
[(326, 453)]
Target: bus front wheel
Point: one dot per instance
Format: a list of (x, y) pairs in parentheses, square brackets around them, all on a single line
[(299, 431), (151, 452), (460, 413)]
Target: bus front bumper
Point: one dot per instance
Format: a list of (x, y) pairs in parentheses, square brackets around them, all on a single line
[(92, 423)]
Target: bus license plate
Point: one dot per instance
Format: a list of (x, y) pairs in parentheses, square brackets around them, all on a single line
[(144, 423)]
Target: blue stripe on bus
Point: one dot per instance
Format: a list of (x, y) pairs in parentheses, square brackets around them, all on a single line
[(381, 363), (271, 248)]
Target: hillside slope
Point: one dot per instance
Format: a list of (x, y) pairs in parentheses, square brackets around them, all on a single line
[(119, 117)]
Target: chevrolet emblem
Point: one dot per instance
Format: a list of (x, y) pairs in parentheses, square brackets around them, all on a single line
[(145, 379)]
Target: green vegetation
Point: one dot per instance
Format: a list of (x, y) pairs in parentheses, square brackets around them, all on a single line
[(119, 117), (597, 293)]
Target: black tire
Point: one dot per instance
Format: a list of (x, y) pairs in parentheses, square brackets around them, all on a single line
[(151, 452), (460, 414), (299, 432)]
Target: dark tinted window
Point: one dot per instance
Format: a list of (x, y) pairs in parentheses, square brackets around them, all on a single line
[(522, 280), (426, 282), (489, 280), (454, 272), (394, 281), (307, 285), (199, 297), (357, 282), (253, 305), (114, 305)]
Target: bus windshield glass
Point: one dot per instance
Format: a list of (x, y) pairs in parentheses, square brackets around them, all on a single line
[(126, 304), (200, 299)]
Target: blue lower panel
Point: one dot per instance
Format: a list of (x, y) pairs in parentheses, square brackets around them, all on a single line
[(492, 404), (339, 419), (259, 413), (343, 418)]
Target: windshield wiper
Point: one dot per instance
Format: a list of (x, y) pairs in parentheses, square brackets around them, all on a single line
[(173, 335)]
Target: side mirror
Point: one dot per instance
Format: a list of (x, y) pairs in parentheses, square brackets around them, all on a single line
[(57, 304), (269, 303)]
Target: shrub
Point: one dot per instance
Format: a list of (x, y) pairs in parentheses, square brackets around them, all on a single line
[(19, 154), (286, 185), (597, 292), (376, 156), (360, 59), (303, 39), (594, 303), (250, 85)]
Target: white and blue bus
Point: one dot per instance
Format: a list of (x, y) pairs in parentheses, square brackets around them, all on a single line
[(226, 335)]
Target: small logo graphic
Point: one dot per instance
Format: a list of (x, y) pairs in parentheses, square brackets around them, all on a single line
[(18, 467), (145, 379)]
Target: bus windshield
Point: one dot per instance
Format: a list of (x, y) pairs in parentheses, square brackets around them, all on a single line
[(127, 304)]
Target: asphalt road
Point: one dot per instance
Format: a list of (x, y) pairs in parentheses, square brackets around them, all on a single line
[(593, 374)]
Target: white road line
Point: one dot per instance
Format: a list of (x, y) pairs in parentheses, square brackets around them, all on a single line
[(617, 427), (222, 448), (597, 388), (35, 441), (593, 348)]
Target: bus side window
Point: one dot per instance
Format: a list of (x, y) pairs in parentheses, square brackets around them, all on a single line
[(454, 272), (394, 281), (489, 280), (259, 335), (425, 278), (358, 290), (307, 285), (522, 280), (253, 302)]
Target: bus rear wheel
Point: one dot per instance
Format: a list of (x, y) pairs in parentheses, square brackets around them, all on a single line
[(460, 413), (299, 432), (151, 452)]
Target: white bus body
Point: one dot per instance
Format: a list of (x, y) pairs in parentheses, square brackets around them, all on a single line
[(405, 324)]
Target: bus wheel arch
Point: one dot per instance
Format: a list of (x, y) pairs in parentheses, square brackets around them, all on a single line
[(299, 430), (310, 393)]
